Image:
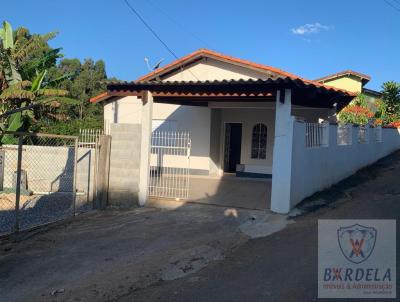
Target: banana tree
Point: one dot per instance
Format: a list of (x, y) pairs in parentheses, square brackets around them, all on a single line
[(19, 95), (30, 95), (9, 74), (16, 51)]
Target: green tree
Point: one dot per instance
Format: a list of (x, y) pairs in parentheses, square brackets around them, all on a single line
[(24, 60), (357, 112), (56, 91), (391, 97), (89, 79)]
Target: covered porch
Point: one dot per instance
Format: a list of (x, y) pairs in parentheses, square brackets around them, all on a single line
[(229, 171)]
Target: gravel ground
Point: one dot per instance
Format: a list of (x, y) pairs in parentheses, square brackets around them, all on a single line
[(38, 209)]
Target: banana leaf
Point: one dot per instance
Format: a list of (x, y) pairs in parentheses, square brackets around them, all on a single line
[(15, 124)]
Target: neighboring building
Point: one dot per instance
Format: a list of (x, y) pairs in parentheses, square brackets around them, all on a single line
[(242, 119), (352, 81)]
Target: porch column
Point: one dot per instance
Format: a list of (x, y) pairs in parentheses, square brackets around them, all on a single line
[(282, 153), (147, 114)]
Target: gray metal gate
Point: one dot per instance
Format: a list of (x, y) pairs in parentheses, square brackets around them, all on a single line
[(170, 164)]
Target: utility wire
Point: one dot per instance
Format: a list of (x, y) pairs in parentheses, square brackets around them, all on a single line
[(392, 5), (154, 33), (150, 29), (178, 24)]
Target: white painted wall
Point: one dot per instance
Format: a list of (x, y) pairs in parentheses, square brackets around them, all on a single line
[(314, 169), (210, 69), (126, 110), (196, 120), (249, 118)]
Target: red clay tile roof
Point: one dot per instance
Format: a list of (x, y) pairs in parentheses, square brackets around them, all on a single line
[(99, 97), (227, 88), (362, 76), (221, 57)]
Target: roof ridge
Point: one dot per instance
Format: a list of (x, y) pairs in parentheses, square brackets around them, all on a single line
[(344, 72), (217, 55), (221, 56)]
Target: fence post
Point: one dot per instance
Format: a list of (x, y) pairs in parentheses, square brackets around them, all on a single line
[(75, 173), (18, 184), (325, 135), (103, 171)]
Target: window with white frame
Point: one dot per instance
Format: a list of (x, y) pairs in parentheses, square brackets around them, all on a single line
[(259, 142)]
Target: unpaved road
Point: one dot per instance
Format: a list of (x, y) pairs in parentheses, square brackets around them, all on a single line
[(191, 253), (283, 266), (101, 256)]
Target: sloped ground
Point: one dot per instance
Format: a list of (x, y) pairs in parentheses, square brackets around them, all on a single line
[(190, 252), (100, 256), (283, 266)]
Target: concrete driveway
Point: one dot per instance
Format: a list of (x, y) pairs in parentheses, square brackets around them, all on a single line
[(231, 191), (103, 255)]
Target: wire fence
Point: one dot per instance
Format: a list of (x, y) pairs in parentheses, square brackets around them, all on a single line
[(39, 180)]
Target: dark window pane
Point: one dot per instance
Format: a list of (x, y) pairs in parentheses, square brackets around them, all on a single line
[(259, 141)]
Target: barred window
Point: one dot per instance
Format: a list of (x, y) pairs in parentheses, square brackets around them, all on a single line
[(259, 142)]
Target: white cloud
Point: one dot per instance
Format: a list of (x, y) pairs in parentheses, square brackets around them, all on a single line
[(307, 29)]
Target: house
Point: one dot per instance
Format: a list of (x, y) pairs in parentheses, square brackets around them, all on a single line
[(243, 120), (352, 81)]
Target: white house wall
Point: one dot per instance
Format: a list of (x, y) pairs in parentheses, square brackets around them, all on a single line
[(126, 110), (215, 70), (311, 114), (249, 118), (206, 152), (196, 120)]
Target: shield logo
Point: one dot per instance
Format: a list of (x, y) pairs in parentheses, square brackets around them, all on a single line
[(357, 242)]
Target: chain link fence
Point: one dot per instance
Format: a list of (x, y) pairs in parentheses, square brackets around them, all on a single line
[(43, 178)]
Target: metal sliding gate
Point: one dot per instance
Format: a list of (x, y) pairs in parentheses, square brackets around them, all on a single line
[(170, 164)]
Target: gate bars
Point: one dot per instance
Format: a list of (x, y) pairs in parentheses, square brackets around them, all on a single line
[(170, 164)]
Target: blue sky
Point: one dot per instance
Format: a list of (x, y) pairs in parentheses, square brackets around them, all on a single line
[(342, 34)]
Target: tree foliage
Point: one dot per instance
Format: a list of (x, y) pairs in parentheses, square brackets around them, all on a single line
[(56, 91), (391, 97), (382, 112), (358, 112)]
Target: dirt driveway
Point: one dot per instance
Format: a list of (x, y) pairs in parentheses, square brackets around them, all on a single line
[(103, 255)]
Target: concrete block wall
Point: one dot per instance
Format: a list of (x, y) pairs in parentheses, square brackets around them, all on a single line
[(124, 165)]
